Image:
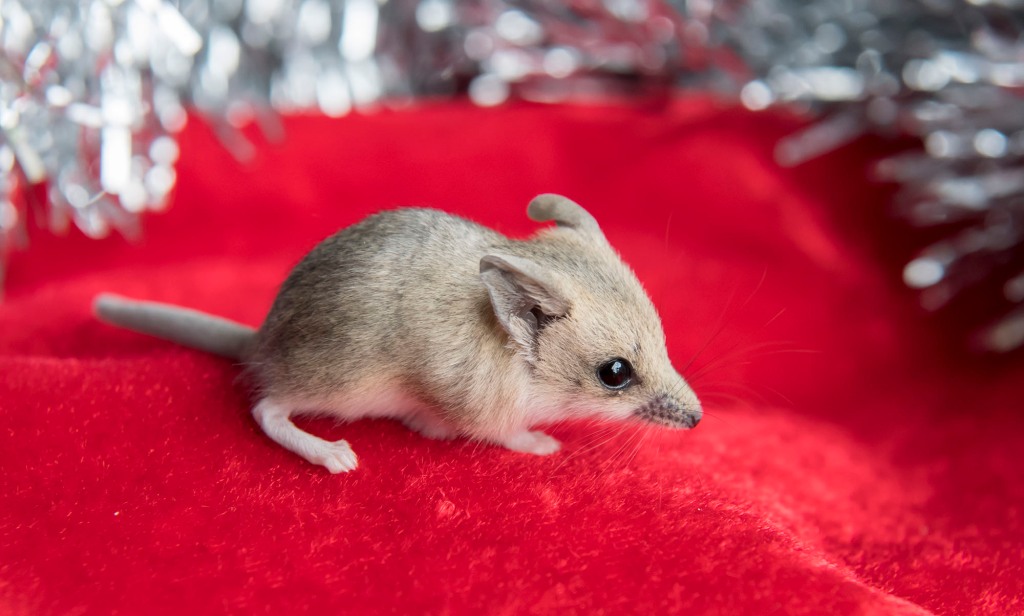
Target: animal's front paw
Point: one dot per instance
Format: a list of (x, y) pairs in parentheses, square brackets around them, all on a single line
[(336, 457), (537, 443)]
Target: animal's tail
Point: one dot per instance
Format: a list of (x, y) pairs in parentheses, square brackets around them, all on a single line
[(182, 325)]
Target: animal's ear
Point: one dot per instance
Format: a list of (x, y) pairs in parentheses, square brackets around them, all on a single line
[(524, 297), (565, 212)]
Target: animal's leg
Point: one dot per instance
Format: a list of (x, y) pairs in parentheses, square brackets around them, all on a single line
[(275, 419), (534, 442), (429, 426)]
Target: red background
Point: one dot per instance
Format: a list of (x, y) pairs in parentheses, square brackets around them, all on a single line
[(851, 460)]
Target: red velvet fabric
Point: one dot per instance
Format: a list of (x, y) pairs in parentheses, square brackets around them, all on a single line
[(851, 461)]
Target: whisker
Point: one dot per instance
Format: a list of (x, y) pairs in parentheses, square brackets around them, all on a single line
[(724, 318), (718, 329), (595, 440), (751, 395), (622, 448), (756, 351), (644, 434)]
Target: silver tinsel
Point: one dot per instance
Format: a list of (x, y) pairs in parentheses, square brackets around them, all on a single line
[(950, 72), (93, 92)]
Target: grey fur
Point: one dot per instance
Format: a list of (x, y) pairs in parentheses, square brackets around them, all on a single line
[(186, 327), (457, 330)]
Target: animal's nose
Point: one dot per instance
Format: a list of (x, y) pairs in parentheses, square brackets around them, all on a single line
[(691, 412), (692, 420)]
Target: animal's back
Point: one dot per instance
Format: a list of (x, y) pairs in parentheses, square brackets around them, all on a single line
[(364, 302)]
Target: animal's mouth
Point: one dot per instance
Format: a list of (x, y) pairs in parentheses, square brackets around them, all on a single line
[(665, 411)]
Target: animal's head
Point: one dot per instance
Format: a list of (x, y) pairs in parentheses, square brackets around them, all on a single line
[(578, 315)]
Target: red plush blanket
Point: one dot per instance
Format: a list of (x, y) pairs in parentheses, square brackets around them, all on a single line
[(849, 461)]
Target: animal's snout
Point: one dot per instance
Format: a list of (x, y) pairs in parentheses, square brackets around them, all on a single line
[(667, 411), (693, 418), (689, 417)]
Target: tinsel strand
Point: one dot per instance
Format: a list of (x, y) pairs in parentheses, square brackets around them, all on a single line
[(93, 92)]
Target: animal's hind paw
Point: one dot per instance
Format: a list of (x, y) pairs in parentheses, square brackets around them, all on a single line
[(337, 457)]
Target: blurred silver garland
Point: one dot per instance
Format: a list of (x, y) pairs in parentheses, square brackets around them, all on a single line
[(93, 91)]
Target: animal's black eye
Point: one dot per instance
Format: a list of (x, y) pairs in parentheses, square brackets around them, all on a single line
[(615, 373)]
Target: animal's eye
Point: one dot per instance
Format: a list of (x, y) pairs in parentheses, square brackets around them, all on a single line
[(615, 373)]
